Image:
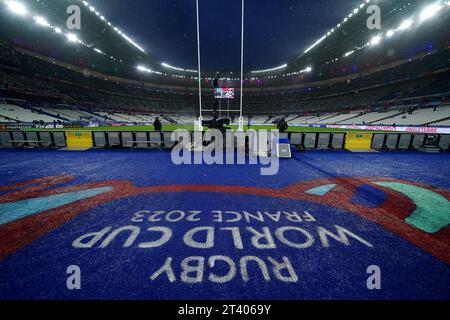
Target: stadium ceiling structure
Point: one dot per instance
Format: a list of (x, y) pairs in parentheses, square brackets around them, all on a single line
[(351, 35), (40, 25)]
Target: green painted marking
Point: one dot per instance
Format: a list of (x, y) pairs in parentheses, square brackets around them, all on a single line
[(322, 190), (432, 210), (12, 211)]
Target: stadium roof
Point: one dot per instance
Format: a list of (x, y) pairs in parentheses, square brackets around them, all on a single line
[(352, 35), (40, 25)]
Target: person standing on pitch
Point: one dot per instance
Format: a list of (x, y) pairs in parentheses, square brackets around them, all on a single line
[(157, 124), (282, 125)]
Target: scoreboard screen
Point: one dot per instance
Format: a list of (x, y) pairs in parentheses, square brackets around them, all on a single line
[(224, 93)]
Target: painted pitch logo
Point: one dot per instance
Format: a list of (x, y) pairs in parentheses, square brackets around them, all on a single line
[(416, 212)]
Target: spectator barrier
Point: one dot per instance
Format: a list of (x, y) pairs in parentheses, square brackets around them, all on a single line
[(162, 140)]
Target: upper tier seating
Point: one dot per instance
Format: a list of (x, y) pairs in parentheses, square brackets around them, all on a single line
[(23, 115), (370, 117), (418, 117)]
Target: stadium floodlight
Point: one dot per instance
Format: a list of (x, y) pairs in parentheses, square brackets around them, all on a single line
[(41, 21), (17, 8), (390, 33), (131, 41), (315, 44), (143, 69), (58, 30), (308, 69), (72, 37), (405, 24), (430, 11), (177, 68), (349, 53), (271, 69), (375, 40)]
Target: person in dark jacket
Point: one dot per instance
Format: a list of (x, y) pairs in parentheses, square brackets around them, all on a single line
[(157, 124), (282, 125)]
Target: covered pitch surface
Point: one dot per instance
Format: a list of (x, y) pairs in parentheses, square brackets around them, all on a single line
[(139, 227)]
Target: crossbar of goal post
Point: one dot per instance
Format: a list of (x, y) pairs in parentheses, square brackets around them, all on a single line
[(199, 126)]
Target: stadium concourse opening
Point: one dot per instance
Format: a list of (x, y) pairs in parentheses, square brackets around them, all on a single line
[(352, 113)]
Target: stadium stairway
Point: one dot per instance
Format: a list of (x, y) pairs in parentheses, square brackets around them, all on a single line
[(390, 117), (7, 119), (352, 116), (268, 121), (105, 118), (440, 122), (34, 109), (323, 120), (167, 118)]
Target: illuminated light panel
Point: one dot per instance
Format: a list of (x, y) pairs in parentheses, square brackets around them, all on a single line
[(271, 69), (354, 12), (349, 53), (430, 11), (17, 8), (390, 33), (147, 70), (72, 37), (177, 68), (315, 44), (375, 40), (41, 21), (103, 18), (406, 24)]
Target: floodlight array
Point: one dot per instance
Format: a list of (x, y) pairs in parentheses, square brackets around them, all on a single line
[(166, 65), (271, 69), (17, 7), (106, 21), (147, 70), (427, 13), (338, 26)]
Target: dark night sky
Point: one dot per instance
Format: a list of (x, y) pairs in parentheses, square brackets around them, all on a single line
[(276, 30)]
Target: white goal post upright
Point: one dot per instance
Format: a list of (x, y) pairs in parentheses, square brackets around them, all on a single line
[(199, 125), (241, 117)]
